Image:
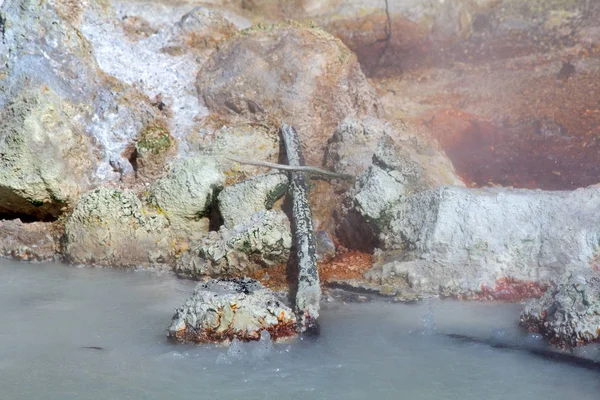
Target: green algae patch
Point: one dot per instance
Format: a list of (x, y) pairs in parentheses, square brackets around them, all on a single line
[(155, 138)]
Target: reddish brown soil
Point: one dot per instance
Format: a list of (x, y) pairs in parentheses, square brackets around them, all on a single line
[(515, 108), (509, 289), (532, 153), (408, 48), (529, 122), (347, 265), (280, 331)]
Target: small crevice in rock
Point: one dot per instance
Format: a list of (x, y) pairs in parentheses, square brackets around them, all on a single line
[(133, 160), (215, 218)]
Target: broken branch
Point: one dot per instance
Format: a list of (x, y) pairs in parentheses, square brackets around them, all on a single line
[(301, 168)]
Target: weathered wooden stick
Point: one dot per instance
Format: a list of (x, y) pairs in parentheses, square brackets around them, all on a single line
[(300, 168), (308, 294)]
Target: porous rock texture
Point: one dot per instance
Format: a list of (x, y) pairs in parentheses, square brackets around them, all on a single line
[(221, 310), (111, 227), (162, 62), (188, 189), (263, 241), (45, 157), (154, 146), (256, 75), (47, 62), (568, 314), (238, 202), (354, 141), (248, 141), (494, 242)]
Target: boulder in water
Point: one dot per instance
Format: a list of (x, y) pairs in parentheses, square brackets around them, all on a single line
[(221, 310), (568, 314)]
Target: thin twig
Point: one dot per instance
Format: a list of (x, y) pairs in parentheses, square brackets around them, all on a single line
[(388, 35), (303, 168), (388, 25)]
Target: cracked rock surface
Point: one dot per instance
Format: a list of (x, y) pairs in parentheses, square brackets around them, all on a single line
[(263, 241), (221, 310)]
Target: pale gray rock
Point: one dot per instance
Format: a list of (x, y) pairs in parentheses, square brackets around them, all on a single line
[(350, 149), (188, 189), (221, 310), (393, 176), (238, 202), (396, 171), (111, 227), (458, 241), (265, 240), (568, 314), (390, 163)]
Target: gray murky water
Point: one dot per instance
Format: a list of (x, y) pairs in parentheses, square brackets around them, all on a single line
[(374, 350)]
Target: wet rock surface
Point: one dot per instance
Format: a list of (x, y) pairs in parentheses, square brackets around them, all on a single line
[(148, 98), (221, 310), (568, 314), (263, 241)]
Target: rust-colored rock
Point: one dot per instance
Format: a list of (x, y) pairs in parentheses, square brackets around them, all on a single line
[(221, 310)]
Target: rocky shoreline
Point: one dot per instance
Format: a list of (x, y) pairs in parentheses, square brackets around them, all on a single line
[(120, 121)]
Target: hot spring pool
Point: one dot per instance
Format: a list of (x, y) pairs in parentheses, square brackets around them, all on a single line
[(50, 313)]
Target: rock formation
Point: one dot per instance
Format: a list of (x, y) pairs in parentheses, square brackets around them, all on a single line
[(256, 75), (111, 227), (260, 242), (568, 314)]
